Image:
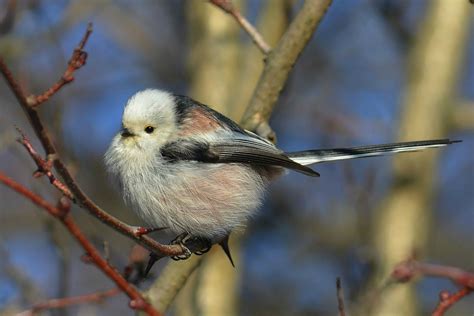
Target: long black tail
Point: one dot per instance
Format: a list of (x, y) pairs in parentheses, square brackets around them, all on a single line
[(309, 157)]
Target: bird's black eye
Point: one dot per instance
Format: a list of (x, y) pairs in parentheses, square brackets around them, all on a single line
[(149, 129)]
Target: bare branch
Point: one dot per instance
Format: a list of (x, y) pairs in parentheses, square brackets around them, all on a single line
[(407, 270), (228, 7), (279, 64), (28, 289), (174, 276), (56, 303), (164, 290), (447, 300), (8, 19), (44, 166), (79, 196), (340, 298), (77, 60), (61, 212)]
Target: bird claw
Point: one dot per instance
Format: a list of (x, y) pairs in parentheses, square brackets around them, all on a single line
[(181, 240), (206, 248), (185, 255), (184, 240)]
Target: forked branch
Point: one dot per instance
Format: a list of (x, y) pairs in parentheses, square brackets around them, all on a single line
[(69, 187), (407, 270), (61, 212), (77, 60), (228, 7)]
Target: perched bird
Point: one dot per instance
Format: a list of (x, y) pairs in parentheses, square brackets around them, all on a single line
[(181, 165)]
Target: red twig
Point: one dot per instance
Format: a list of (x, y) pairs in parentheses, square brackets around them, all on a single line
[(407, 270), (447, 300), (77, 60), (137, 258), (61, 212), (96, 297), (44, 166), (80, 197), (340, 298), (228, 7)]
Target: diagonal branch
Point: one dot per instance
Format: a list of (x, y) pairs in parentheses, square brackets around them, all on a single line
[(279, 61), (447, 300), (77, 60), (56, 303), (340, 298), (279, 65), (407, 270), (44, 166), (228, 7), (61, 212), (79, 196)]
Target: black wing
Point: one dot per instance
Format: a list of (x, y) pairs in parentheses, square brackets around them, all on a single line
[(235, 150)]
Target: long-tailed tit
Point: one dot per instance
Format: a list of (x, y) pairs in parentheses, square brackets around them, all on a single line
[(184, 166)]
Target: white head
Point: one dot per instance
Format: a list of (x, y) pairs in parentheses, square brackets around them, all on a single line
[(148, 121)]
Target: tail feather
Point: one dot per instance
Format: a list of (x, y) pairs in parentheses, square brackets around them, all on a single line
[(310, 157)]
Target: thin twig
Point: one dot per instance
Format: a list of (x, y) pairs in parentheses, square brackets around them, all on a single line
[(77, 60), (27, 287), (135, 258), (173, 277), (279, 64), (340, 298), (8, 19), (56, 303), (228, 7), (61, 212), (44, 166), (79, 196), (447, 300), (407, 270)]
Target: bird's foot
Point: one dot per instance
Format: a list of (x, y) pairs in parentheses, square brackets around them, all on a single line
[(181, 240), (205, 244), (191, 244)]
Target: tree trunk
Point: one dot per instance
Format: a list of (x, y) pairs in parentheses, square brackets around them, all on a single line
[(402, 225)]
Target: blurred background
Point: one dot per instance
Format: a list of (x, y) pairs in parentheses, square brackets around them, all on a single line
[(376, 71)]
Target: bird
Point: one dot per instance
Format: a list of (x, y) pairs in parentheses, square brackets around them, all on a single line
[(180, 164)]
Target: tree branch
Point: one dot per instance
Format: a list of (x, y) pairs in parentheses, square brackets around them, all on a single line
[(279, 64), (61, 212), (77, 60), (44, 166), (7, 20), (407, 270), (340, 298), (173, 277), (53, 158), (228, 7), (279, 61), (447, 300), (96, 297)]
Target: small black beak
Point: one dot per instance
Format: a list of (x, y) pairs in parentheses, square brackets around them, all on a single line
[(126, 133)]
